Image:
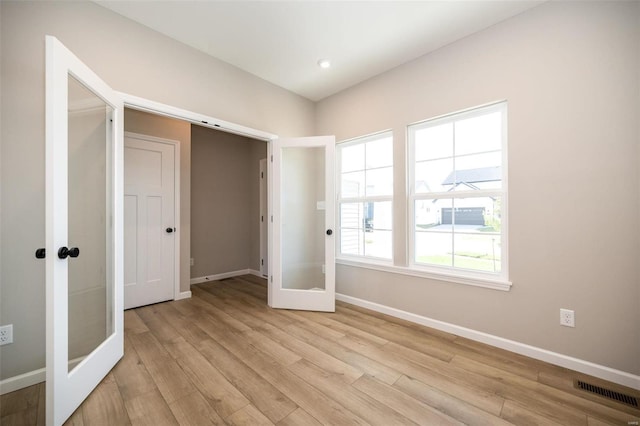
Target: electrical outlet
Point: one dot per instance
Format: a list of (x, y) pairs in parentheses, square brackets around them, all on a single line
[(192, 262), (567, 318), (6, 334)]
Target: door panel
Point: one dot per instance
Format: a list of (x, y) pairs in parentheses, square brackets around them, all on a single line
[(149, 181), (83, 231), (303, 221)]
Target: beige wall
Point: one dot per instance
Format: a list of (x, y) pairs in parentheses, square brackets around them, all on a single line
[(177, 130), (132, 59), (225, 201), (570, 74)]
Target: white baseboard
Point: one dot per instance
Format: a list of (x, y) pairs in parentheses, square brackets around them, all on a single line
[(183, 295), (22, 381), (586, 367), (256, 273), (220, 276)]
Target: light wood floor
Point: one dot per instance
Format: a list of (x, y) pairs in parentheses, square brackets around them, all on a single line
[(224, 357)]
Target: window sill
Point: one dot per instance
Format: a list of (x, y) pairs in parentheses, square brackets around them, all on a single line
[(493, 284)]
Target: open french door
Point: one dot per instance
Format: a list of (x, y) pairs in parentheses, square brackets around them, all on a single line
[(84, 193), (302, 264)]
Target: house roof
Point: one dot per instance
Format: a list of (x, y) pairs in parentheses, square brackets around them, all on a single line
[(483, 174)]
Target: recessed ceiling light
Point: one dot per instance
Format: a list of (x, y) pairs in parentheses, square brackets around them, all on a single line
[(324, 63)]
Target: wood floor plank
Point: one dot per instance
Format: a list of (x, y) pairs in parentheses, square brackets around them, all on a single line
[(42, 404), (312, 354), (350, 397), (249, 416), (401, 336), (149, 409), (262, 394), (225, 398), (105, 406), (300, 392), (402, 403), (448, 404), (299, 417), (76, 418), (166, 373), (521, 415), (185, 306), (19, 400), (161, 329), (433, 374), (327, 320), (592, 421), (256, 307), (184, 323), (28, 416), (131, 374), (273, 403), (366, 365), (132, 322), (194, 410), (271, 347)]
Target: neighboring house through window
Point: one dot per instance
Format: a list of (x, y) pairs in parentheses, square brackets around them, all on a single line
[(458, 191)]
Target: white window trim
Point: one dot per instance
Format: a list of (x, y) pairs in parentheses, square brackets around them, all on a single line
[(463, 277), (362, 259), (499, 281)]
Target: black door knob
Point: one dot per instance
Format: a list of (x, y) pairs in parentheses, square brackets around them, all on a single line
[(169, 230), (329, 232), (65, 252)]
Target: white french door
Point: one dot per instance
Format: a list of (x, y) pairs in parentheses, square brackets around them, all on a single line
[(84, 193), (302, 264)]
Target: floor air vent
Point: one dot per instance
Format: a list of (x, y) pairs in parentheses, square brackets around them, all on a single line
[(608, 393)]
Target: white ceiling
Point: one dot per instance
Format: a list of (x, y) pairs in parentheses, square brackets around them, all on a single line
[(282, 41)]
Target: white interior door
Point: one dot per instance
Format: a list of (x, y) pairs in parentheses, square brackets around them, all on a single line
[(83, 231), (150, 232), (303, 253)]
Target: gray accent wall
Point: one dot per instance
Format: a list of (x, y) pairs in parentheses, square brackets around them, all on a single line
[(225, 202), (570, 73)]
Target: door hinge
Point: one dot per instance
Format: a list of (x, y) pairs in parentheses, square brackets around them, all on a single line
[(272, 158), (261, 175), (262, 262), (271, 219), (271, 278)]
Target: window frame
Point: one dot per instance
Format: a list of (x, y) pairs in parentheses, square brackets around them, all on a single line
[(466, 276), (361, 259)]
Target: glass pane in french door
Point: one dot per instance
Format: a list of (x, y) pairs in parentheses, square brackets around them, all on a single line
[(303, 218), (90, 280)]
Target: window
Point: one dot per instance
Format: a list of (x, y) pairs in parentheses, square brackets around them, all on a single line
[(365, 197), (457, 205)]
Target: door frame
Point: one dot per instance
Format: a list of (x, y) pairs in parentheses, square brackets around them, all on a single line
[(157, 108), (264, 218), (177, 294)]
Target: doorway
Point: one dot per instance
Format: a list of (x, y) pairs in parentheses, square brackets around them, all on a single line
[(151, 236)]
